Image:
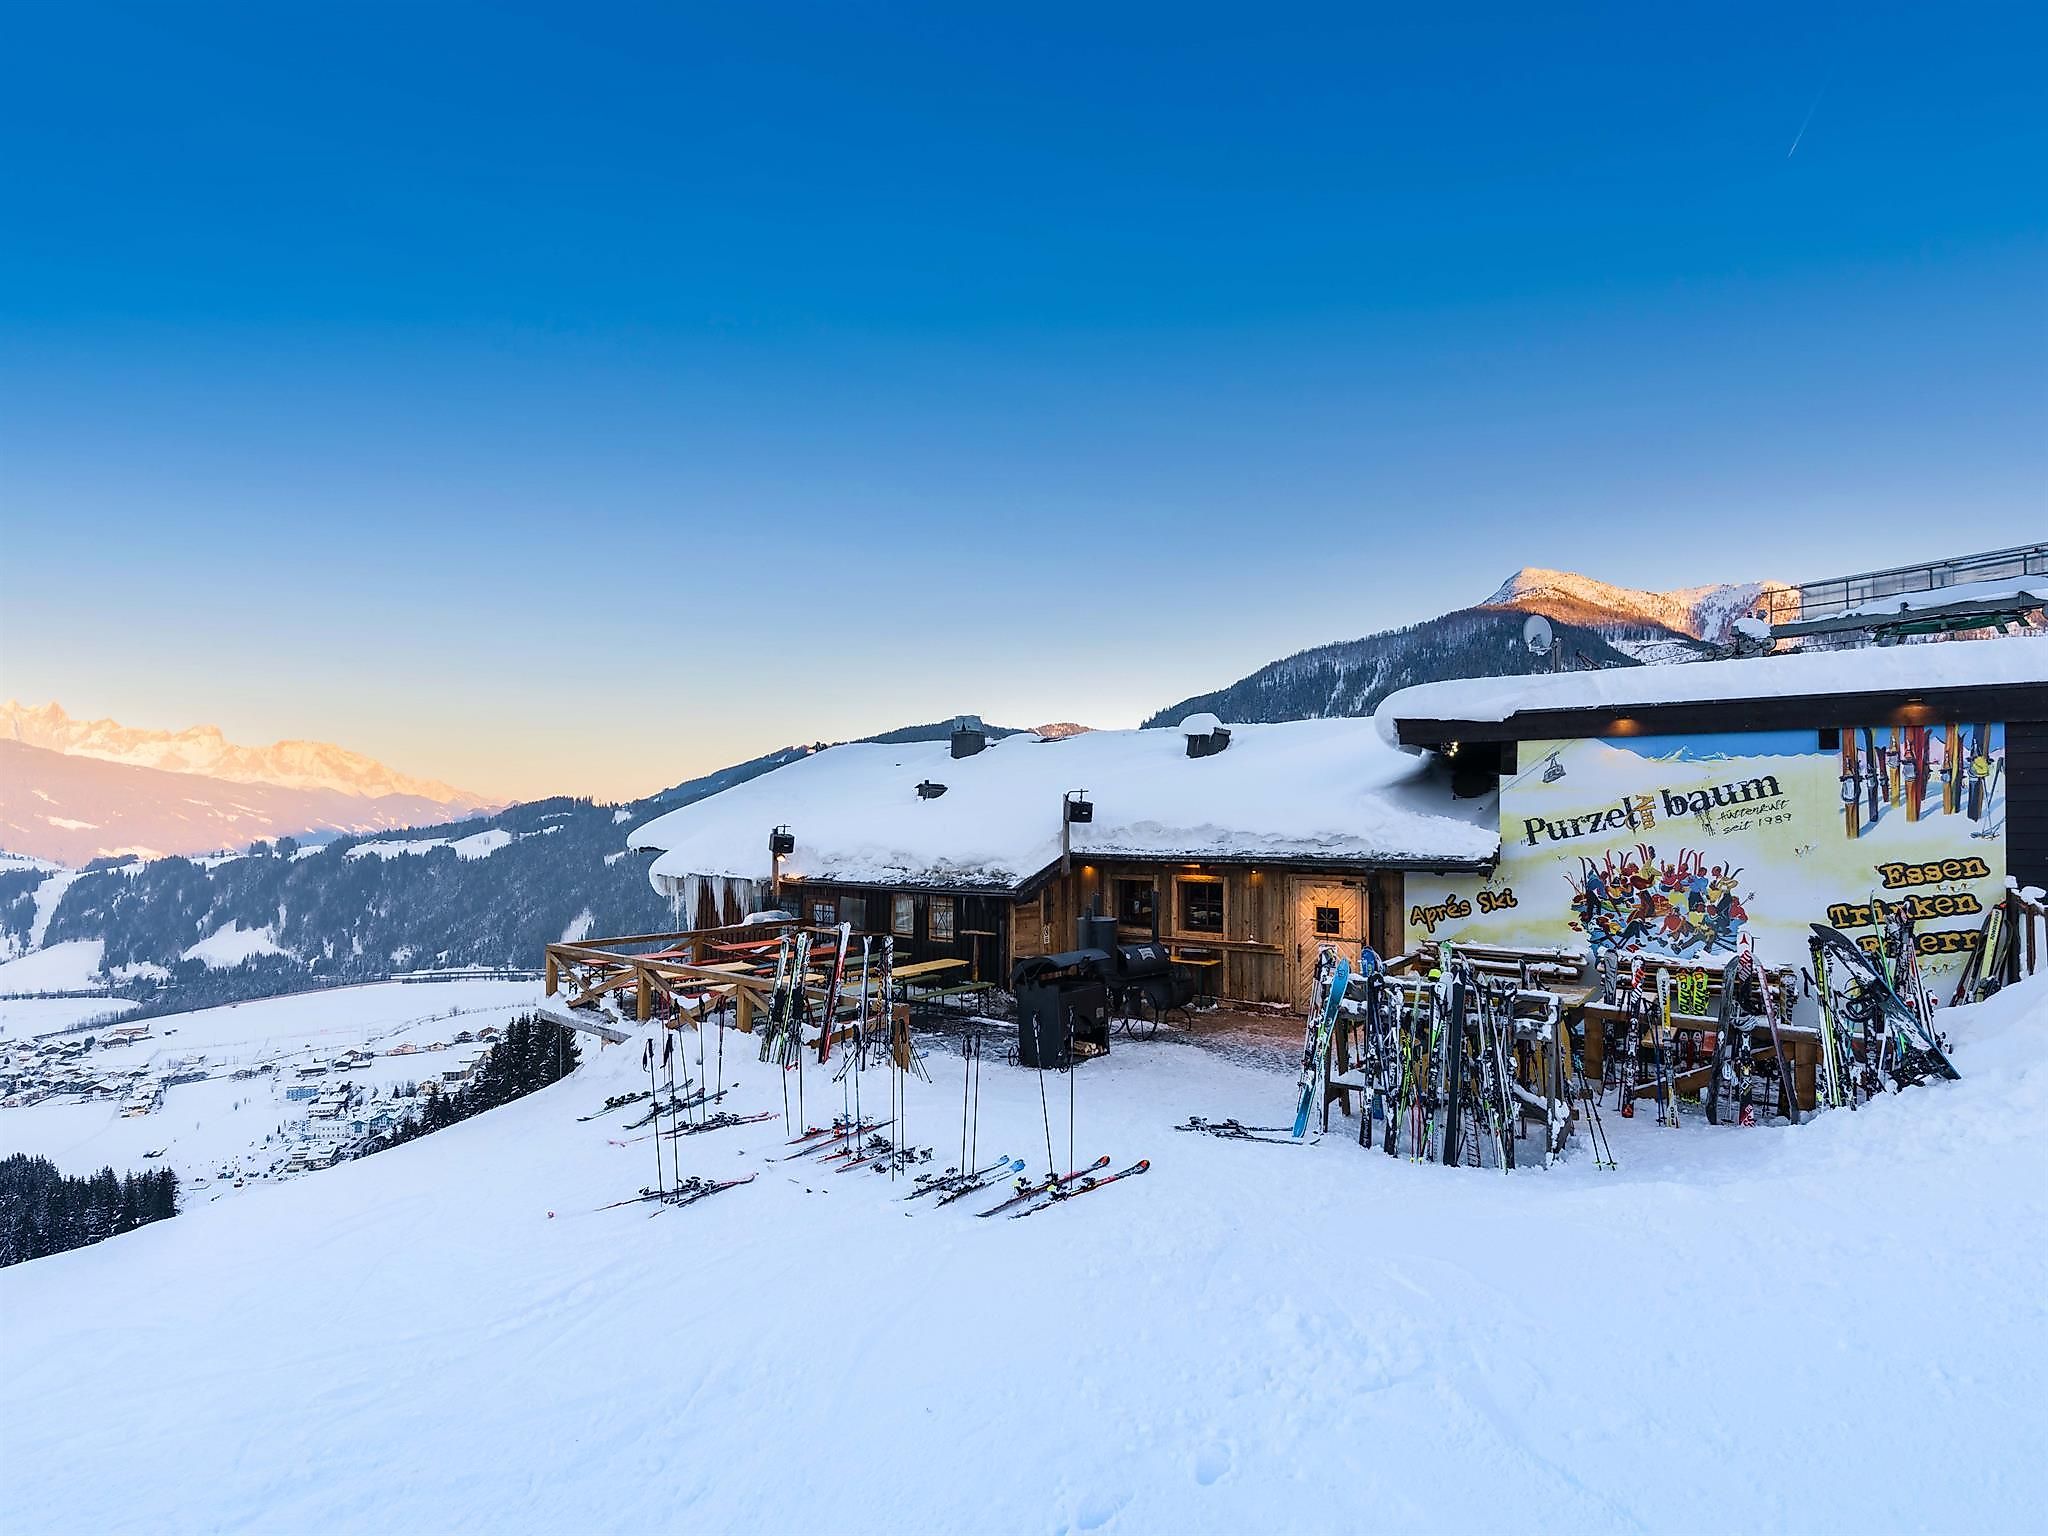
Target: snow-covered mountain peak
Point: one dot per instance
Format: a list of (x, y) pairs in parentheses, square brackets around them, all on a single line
[(204, 749), (1703, 612)]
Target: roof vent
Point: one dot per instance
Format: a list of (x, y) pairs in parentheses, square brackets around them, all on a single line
[(1206, 735), (969, 736), (927, 790)]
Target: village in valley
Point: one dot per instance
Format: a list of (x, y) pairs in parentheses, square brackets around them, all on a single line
[(233, 1096)]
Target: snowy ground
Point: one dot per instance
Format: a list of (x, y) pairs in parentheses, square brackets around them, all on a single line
[(203, 1126), (1838, 1327), (73, 966), (22, 1018)]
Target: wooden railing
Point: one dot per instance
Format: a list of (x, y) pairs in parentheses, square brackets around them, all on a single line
[(679, 974)]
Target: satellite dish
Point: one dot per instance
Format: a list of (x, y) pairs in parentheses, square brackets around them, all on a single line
[(1536, 635)]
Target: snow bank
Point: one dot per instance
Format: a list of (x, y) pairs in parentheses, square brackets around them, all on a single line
[(1312, 789), (1904, 669)]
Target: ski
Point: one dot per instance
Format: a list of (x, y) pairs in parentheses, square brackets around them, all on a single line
[(688, 1192), (1065, 1193), (694, 1188), (676, 1106), (952, 1179), (839, 1127), (1316, 1045), (778, 1000), (1452, 993), (722, 1121), (1232, 1130), (1015, 1165), (620, 1102), (838, 1145), (1920, 1051), (832, 986), (1031, 1191), (901, 1160), (874, 1149)]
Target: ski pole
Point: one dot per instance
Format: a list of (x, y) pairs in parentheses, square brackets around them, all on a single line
[(654, 1093)]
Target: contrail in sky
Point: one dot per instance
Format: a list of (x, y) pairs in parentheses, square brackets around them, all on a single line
[(1809, 115)]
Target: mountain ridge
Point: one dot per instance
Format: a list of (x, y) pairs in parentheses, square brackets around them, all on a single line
[(1704, 613), (203, 750), (72, 808), (1597, 623)]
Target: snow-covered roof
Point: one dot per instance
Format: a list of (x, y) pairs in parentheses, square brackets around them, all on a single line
[(1312, 790), (2020, 591), (1904, 669)]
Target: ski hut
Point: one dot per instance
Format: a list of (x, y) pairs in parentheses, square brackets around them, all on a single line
[(1669, 810), (1240, 848)]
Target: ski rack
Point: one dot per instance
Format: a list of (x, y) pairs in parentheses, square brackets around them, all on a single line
[(1544, 1032)]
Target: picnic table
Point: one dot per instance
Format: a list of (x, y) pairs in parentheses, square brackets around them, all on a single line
[(934, 981), (746, 947), (919, 969), (1206, 964)]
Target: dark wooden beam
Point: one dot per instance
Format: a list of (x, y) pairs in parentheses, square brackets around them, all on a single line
[(1806, 711)]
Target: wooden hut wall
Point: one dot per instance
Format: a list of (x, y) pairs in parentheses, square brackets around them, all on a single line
[(981, 924), (1254, 944), (2026, 801)]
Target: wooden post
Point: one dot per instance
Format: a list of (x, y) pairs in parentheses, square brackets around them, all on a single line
[(646, 993), (549, 988)]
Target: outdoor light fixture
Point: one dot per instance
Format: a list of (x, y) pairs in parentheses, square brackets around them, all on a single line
[(781, 842), (1075, 807)]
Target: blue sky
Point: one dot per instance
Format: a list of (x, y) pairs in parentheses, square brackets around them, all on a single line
[(399, 375)]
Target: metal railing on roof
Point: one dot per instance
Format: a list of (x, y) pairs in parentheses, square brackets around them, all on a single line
[(1841, 595)]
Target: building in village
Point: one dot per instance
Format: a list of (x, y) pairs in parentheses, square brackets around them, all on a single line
[(1669, 810), (1242, 849)]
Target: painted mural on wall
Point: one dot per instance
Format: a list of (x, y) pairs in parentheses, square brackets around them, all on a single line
[(1674, 846)]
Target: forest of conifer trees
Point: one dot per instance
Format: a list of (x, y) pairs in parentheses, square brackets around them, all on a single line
[(43, 1211)]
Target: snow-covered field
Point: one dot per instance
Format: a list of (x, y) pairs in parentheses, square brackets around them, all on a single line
[(203, 1126), (73, 966), (23, 1017), (1836, 1327)]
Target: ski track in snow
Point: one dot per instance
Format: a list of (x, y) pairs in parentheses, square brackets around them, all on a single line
[(1833, 1328)]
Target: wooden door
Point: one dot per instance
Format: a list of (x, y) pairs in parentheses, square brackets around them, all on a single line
[(1331, 912)]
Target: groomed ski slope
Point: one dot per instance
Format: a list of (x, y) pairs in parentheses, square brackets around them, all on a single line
[(1835, 1328)]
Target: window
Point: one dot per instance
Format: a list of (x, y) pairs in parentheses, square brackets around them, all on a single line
[(854, 910), (939, 920), (824, 914), (1134, 903), (903, 915), (1201, 905), (1329, 922)]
